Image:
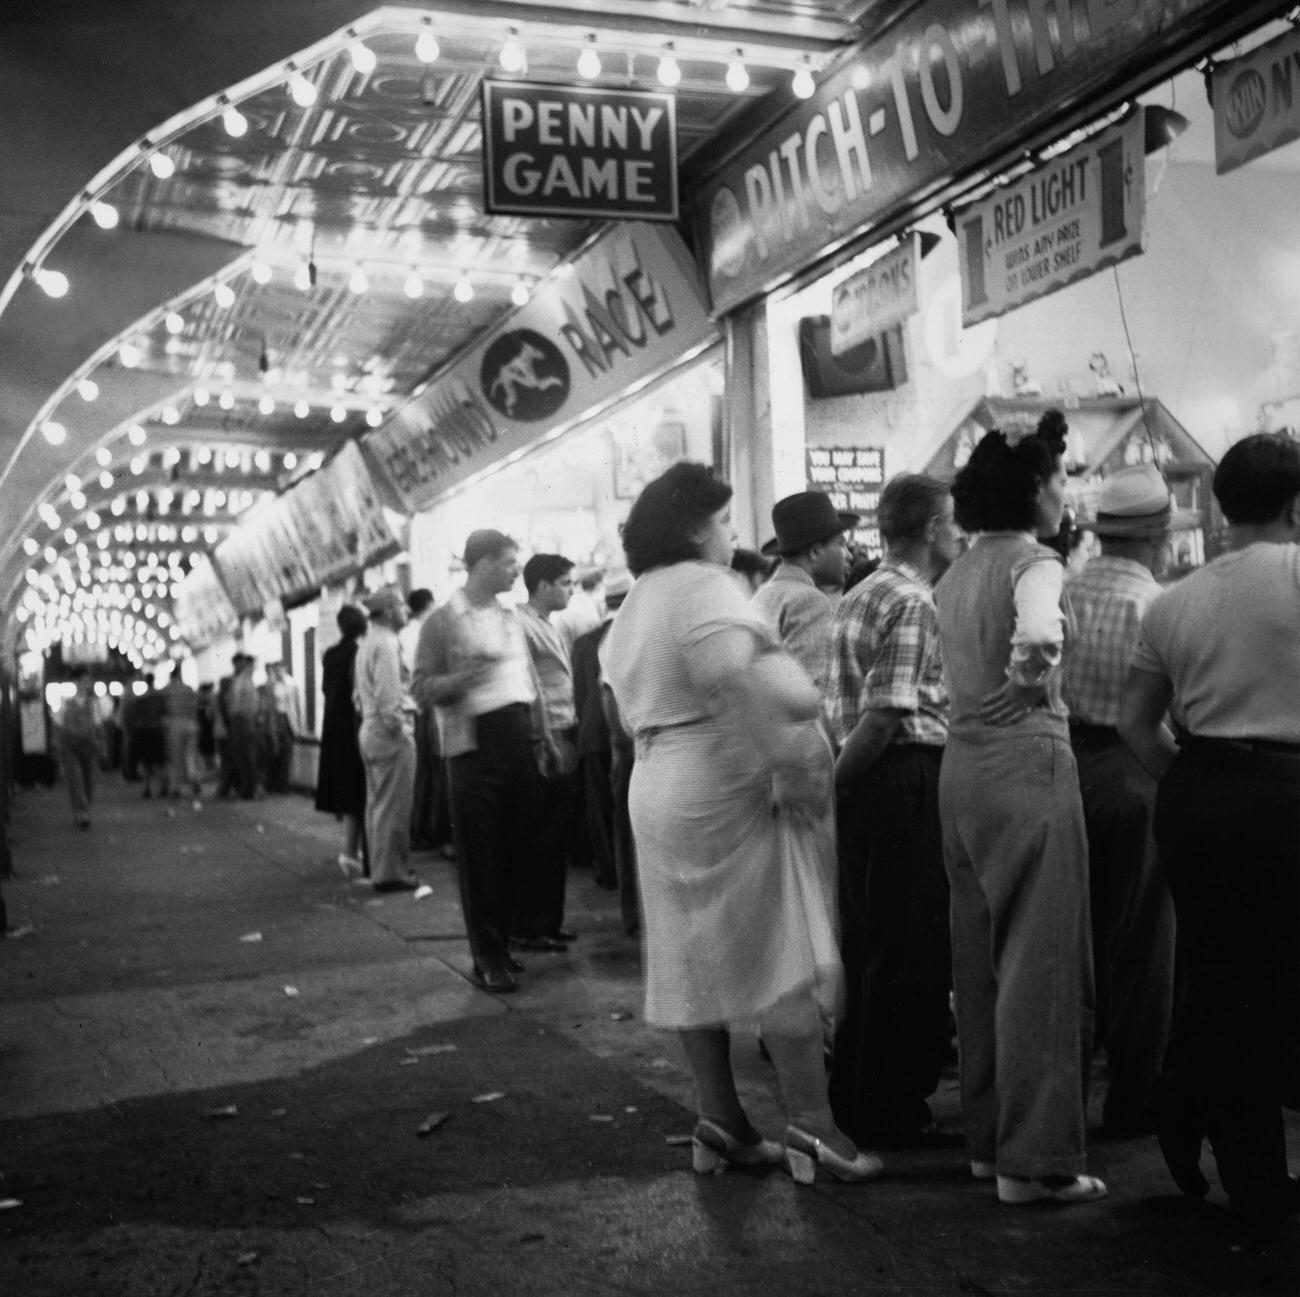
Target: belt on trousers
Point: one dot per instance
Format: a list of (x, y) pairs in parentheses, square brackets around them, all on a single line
[(1086, 730), (1255, 747)]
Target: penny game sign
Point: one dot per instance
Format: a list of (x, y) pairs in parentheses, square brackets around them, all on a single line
[(579, 151)]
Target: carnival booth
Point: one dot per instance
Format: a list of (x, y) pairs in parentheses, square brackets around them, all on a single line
[(1107, 433)]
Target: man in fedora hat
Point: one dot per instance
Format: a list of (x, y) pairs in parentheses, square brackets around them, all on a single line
[(1132, 915), (810, 540), (888, 711)]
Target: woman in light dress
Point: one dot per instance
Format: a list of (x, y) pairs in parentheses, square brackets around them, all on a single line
[(731, 811)]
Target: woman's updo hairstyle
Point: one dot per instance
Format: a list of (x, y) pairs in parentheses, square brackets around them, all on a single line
[(997, 489), (677, 503)]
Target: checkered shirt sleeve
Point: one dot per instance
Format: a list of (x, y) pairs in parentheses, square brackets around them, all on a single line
[(885, 654)]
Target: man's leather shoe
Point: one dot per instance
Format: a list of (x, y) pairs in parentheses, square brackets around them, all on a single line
[(496, 981), (562, 934), (397, 885)]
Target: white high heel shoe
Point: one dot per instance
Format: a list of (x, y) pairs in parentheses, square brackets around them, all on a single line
[(805, 1154), (713, 1149)]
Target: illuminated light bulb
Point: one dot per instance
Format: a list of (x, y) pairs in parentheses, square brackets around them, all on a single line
[(802, 84), (261, 272), (50, 554), (54, 283), (427, 48), (358, 281), (201, 396), (171, 415), (162, 166), (589, 60), (363, 58), (55, 433), (337, 413), (92, 521), (512, 57), (413, 286), (290, 461), (106, 480), (301, 410), (232, 459), (263, 461), (129, 354), (30, 546), (174, 322), (77, 500), (301, 90), (669, 73), (135, 434), (138, 465), (171, 457), (374, 417), (266, 405), (87, 389), (302, 278), (118, 507), (72, 482), (519, 294), (737, 75), (226, 401), (235, 122), (104, 215), (70, 537), (103, 457), (464, 290), (224, 294)]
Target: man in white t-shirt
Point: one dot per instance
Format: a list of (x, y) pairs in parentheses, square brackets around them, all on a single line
[(472, 664), (1222, 649)]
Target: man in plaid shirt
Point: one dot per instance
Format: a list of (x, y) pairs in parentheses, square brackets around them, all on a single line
[(888, 712), (1132, 914)]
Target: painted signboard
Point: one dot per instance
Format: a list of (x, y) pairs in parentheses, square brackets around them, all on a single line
[(882, 294), (949, 88), (325, 526), (1079, 213), (1256, 102), (203, 610), (630, 307), (581, 151), (853, 477)]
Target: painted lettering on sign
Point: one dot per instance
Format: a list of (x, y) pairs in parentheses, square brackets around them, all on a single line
[(1256, 102), (950, 84), (853, 477), (1081, 212), (577, 151)]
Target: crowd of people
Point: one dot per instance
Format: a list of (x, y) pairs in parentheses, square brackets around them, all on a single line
[(1070, 801), (975, 786), (173, 739)]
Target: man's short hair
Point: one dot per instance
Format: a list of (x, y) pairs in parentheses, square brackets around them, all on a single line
[(486, 543), (1258, 477), (545, 567), (907, 504), (418, 600)]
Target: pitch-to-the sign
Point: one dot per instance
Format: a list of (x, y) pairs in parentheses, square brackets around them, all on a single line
[(579, 151)]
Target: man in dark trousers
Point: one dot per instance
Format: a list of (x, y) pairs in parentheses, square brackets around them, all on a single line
[(888, 710), (1132, 913), (472, 664), (595, 764), (539, 919), (1221, 647)]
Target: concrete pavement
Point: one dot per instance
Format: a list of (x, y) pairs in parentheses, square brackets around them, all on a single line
[(216, 1057)]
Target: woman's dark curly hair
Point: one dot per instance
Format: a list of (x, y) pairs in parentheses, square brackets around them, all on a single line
[(678, 502), (997, 489)]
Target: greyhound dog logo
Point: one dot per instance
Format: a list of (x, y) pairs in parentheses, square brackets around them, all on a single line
[(524, 376)]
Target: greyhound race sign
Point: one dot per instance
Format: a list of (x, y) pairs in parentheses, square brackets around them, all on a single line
[(632, 307), (579, 151)]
